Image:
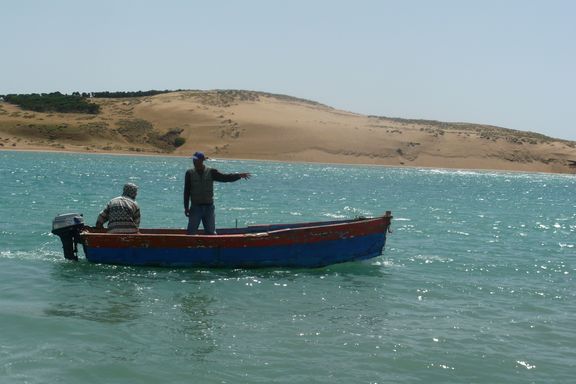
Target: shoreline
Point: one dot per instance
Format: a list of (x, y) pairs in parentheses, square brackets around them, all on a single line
[(144, 154)]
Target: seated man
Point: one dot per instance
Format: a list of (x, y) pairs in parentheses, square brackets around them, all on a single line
[(122, 213)]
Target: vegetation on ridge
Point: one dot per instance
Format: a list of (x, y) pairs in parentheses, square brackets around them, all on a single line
[(53, 102), (487, 132), (77, 102)]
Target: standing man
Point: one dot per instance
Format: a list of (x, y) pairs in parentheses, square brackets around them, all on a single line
[(122, 213), (199, 194)]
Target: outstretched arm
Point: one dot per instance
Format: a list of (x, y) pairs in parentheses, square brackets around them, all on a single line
[(229, 177)]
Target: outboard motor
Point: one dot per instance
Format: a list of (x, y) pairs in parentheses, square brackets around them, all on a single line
[(68, 227)]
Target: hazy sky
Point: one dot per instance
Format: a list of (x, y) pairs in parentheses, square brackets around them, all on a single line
[(510, 63)]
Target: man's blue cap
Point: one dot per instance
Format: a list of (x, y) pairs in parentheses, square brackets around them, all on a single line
[(198, 156)]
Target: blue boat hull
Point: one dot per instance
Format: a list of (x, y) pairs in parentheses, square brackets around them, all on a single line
[(302, 255)]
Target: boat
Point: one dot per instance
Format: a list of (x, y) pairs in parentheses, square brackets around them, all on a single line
[(300, 245)]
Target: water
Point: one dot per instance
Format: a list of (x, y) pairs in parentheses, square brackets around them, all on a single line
[(476, 284)]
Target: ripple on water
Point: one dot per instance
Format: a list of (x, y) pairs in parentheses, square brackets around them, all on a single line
[(477, 273)]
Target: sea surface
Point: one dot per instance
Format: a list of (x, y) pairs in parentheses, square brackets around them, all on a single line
[(476, 283)]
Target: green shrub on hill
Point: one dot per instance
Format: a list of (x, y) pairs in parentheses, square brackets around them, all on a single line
[(122, 94), (179, 141), (53, 102)]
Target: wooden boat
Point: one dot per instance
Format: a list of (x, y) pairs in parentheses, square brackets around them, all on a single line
[(302, 245)]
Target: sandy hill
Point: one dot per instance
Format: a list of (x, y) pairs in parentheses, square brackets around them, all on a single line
[(256, 125)]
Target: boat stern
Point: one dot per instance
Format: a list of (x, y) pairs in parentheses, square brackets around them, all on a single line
[(68, 227)]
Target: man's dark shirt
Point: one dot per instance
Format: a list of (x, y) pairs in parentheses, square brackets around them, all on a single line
[(216, 176)]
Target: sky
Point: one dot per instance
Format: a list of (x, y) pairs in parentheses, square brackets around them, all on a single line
[(508, 63)]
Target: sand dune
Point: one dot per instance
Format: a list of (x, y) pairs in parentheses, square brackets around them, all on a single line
[(254, 125)]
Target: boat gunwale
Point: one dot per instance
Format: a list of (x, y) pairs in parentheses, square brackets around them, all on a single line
[(284, 236), (92, 232)]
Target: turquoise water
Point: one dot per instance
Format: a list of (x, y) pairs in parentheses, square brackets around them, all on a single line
[(476, 284)]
